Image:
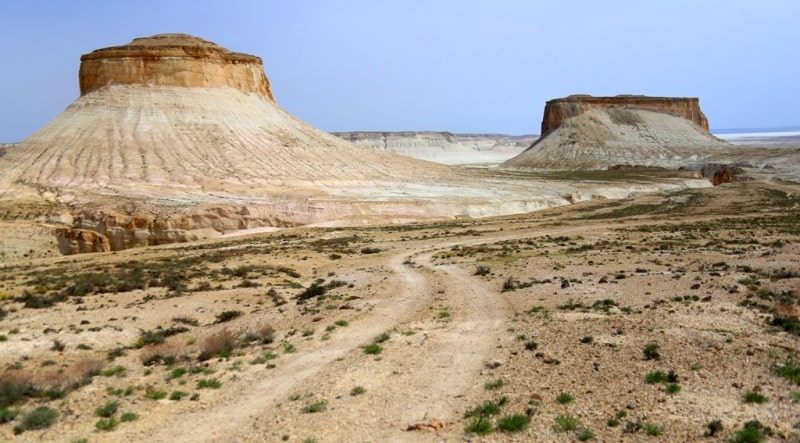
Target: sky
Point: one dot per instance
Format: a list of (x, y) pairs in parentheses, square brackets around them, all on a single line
[(460, 66)]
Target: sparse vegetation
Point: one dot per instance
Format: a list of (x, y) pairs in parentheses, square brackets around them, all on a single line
[(108, 409), (480, 426), (564, 398), (567, 423), (357, 390), (754, 397), (752, 432), (496, 384), (107, 424), (373, 348), (651, 351), (317, 406), (653, 430), (209, 383), (513, 423), (40, 418)]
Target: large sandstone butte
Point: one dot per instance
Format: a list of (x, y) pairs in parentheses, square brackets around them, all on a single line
[(175, 138), (173, 60), (585, 132)]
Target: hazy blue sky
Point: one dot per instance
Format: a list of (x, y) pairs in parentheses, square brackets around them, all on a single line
[(461, 66)]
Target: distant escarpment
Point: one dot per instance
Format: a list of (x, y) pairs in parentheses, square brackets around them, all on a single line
[(558, 110), (173, 60), (584, 132), (442, 147)]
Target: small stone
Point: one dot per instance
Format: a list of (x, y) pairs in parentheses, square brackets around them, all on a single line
[(631, 405)]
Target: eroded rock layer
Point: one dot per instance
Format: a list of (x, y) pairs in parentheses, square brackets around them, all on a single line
[(585, 132), (173, 60), (558, 110), (442, 147)]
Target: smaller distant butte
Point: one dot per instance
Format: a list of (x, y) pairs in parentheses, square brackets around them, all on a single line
[(560, 109), (173, 60)]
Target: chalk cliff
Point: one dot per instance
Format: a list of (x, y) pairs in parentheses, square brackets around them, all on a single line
[(442, 147)]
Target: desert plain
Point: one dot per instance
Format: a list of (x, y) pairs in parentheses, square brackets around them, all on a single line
[(182, 260), (445, 331)]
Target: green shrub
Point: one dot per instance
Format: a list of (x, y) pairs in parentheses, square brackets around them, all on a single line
[(487, 408), (585, 435), (40, 418), (714, 427), (513, 423), (177, 395), (372, 348), (655, 377), (673, 388), (480, 426), (155, 394), (108, 409), (482, 270), (587, 340), (107, 424), (341, 323), (357, 390), (381, 338), (119, 371), (210, 383), (531, 346), (754, 397), (651, 351), (789, 369), (752, 432), (226, 316), (7, 415), (128, 416), (564, 398), (566, 423), (653, 430), (317, 406), (492, 385)]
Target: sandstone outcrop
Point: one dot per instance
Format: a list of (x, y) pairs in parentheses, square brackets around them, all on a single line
[(442, 147), (584, 132), (558, 110), (173, 60)]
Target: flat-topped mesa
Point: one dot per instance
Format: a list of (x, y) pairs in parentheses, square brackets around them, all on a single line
[(173, 60), (560, 109)]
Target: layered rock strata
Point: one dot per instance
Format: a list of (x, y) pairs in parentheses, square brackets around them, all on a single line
[(584, 132), (558, 110), (442, 147), (173, 60)]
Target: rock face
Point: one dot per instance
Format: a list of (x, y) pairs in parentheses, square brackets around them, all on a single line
[(558, 110), (173, 60), (583, 132), (443, 147)]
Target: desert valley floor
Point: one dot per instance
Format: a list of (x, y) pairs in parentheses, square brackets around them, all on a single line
[(665, 317)]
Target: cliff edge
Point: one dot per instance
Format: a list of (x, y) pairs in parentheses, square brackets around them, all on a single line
[(585, 132), (173, 60), (558, 110)]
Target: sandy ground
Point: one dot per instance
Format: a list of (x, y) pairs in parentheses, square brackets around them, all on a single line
[(565, 302)]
